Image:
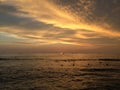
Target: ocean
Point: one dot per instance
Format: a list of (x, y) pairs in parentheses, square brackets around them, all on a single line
[(59, 72)]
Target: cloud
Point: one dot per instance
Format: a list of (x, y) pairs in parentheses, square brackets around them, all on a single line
[(78, 22), (9, 18), (78, 14), (100, 12)]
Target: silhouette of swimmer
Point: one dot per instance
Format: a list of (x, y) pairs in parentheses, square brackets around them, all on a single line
[(61, 64), (73, 64), (100, 62)]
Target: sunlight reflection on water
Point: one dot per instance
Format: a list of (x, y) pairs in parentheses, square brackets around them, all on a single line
[(58, 72)]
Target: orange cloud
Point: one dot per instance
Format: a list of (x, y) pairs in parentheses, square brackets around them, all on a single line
[(49, 13)]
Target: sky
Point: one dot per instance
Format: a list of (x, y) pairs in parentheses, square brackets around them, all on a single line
[(47, 26)]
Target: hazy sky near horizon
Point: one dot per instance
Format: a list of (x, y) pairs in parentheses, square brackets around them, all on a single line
[(85, 26)]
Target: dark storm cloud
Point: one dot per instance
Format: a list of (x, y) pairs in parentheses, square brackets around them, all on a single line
[(5, 8), (110, 11), (9, 18)]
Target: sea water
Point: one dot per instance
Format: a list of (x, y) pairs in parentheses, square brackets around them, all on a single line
[(59, 72)]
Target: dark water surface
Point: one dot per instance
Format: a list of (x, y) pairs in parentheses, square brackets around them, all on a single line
[(59, 72)]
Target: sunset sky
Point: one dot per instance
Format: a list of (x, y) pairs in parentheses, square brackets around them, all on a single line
[(84, 26)]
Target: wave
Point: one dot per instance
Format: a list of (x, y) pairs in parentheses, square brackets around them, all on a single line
[(57, 60)]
